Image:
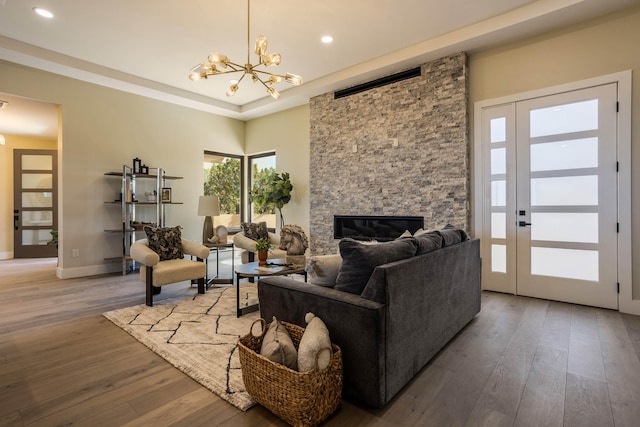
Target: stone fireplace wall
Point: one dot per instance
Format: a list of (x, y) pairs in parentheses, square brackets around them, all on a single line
[(357, 170)]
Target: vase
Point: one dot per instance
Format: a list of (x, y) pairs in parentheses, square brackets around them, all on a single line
[(262, 257)]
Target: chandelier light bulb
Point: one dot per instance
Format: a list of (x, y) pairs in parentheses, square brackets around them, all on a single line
[(275, 79), (232, 90), (218, 59), (273, 92), (272, 59), (261, 45), (294, 79), (195, 76)]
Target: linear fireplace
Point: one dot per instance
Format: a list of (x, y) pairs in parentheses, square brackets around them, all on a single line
[(380, 228)]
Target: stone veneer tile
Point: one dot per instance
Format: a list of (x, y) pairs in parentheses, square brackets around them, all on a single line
[(427, 174)]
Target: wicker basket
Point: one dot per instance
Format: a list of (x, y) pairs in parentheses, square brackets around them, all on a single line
[(299, 398)]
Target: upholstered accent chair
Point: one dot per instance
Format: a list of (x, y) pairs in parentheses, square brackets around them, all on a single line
[(248, 244), (156, 273)]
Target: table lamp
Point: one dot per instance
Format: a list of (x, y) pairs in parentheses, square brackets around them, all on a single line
[(208, 206)]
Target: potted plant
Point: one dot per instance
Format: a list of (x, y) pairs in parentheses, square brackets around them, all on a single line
[(276, 192), (54, 238), (262, 248)]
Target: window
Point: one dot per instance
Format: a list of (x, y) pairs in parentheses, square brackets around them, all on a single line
[(262, 167), (223, 177)]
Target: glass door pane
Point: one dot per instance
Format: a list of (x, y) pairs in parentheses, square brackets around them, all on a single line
[(262, 167), (223, 178)]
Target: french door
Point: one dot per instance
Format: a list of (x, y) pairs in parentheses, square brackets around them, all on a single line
[(35, 213), (550, 219)]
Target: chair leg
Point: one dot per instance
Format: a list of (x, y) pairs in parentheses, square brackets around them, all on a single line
[(149, 286), (201, 285)]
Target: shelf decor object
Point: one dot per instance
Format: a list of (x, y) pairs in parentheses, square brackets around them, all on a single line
[(216, 59), (166, 195), (208, 207), (136, 165)]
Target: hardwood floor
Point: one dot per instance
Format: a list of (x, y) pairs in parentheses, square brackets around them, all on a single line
[(521, 361)]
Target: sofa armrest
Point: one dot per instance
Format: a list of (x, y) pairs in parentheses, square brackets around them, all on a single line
[(141, 253), (195, 249), (355, 324)]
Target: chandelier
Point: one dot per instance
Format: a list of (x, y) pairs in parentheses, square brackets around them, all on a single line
[(218, 63)]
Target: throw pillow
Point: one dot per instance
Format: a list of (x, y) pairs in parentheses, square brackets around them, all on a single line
[(452, 235), (428, 242), (278, 347), (406, 233), (323, 269), (420, 231), (315, 344), (255, 231), (166, 242), (359, 261)]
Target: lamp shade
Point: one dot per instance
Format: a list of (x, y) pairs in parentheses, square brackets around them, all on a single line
[(208, 206)]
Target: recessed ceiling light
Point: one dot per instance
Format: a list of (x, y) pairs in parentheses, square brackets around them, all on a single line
[(43, 12), (326, 39)]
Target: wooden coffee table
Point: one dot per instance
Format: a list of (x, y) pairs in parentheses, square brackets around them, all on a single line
[(274, 267)]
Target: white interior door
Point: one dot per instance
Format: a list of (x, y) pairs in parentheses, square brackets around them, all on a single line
[(551, 169)]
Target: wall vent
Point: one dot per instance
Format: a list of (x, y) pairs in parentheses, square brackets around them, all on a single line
[(403, 75)]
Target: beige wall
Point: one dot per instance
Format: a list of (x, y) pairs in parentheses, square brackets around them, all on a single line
[(13, 142), (607, 45), (102, 129), (287, 133)]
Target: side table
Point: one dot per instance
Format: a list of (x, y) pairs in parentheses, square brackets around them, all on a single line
[(274, 267), (217, 280)]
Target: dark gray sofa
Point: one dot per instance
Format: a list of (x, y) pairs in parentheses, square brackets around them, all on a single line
[(417, 306)]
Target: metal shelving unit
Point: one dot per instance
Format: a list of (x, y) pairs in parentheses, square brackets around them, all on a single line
[(129, 205)]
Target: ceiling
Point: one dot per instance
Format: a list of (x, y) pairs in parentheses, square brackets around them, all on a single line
[(148, 47)]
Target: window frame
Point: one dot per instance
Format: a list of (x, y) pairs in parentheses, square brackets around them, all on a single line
[(250, 160), (241, 158)]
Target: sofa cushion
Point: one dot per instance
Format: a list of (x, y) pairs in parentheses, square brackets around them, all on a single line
[(278, 347), (359, 261), (255, 231), (323, 269), (166, 242)]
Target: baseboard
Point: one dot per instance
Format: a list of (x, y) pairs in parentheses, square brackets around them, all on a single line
[(89, 270), (6, 255), (630, 306)]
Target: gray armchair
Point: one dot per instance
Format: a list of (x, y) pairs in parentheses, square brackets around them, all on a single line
[(158, 273)]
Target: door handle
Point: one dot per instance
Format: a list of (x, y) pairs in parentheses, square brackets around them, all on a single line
[(16, 219), (523, 223)]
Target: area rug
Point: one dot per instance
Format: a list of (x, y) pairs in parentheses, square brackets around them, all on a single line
[(197, 335)]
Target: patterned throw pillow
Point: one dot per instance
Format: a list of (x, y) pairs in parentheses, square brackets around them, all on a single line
[(255, 231), (166, 242)]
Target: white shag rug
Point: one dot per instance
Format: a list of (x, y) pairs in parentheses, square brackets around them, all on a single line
[(198, 335)]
